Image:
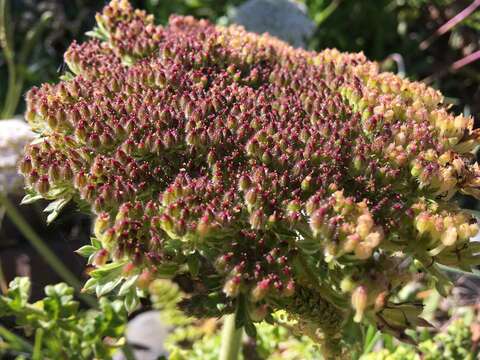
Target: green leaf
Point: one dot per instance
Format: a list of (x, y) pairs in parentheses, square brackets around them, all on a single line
[(86, 250), (309, 246), (30, 198), (90, 284), (127, 285), (131, 301), (19, 292), (193, 262), (105, 288), (54, 209), (96, 243), (67, 76), (250, 329), (166, 270), (111, 269), (372, 337)]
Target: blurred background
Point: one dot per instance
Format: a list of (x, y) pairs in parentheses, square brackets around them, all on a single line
[(436, 41)]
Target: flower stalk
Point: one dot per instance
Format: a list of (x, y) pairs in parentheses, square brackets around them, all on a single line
[(231, 338)]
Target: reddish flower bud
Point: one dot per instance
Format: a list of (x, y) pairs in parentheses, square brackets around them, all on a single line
[(43, 185)]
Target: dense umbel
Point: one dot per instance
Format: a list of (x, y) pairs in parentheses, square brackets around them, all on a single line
[(303, 181)]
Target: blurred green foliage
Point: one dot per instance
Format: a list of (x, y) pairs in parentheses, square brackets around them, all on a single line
[(381, 28), (58, 327), (210, 9)]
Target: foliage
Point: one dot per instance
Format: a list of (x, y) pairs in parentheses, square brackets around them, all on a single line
[(99, 333), (210, 9), (34, 36), (457, 339), (381, 28), (59, 328)]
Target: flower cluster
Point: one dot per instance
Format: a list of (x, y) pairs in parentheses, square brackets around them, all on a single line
[(279, 171)]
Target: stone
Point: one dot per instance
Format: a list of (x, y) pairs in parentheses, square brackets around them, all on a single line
[(146, 334), (285, 19), (14, 135)]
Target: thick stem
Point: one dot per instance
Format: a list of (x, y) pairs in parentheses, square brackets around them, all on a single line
[(231, 339)]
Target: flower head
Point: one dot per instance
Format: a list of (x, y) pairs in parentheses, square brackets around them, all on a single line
[(270, 168)]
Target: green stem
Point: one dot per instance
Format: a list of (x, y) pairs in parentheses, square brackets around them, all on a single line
[(21, 63), (128, 352), (326, 293), (43, 249), (3, 281), (324, 14), (14, 340), (6, 44), (16, 66), (231, 338), (37, 348)]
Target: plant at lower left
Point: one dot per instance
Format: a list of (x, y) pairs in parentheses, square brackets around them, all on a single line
[(59, 328)]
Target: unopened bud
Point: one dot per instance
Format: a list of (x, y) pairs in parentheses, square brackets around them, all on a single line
[(359, 302)]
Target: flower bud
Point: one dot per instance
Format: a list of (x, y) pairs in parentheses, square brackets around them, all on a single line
[(100, 258), (101, 224), (260, 290), (232, 286), (359, 302), (449, 237), (145, 279), (43, 185)]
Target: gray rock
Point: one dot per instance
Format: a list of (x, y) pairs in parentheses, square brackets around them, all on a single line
[(285, 19), (14, 135), (146, 334)]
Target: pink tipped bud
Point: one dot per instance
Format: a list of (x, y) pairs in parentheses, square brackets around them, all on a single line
[(317, 220), (251, 197), (257, 219), (100, 258), (359, 302), (145, 279), (258, 313), (43, 185), (26, 166), (260, 290), (244, 182), (289, 290), (101, 224), (128, 269), (232, 286)]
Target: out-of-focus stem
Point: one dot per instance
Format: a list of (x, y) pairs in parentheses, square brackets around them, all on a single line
[(3, 282), (15, 73), (231, 339), (23, 345), (47, 254), (6, 44), (450, 24)]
